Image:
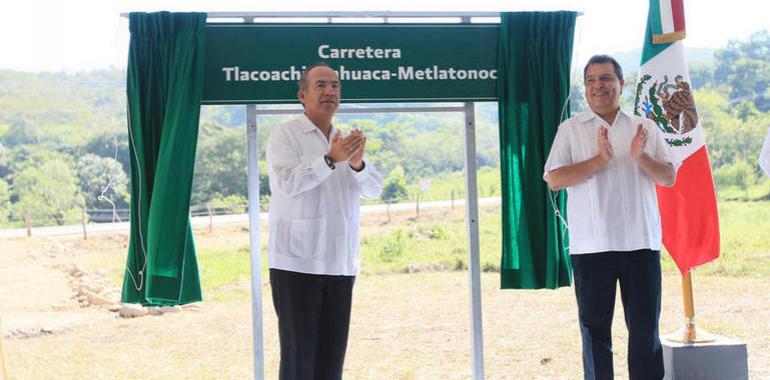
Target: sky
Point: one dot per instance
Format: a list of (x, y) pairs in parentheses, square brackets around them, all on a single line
[(80, 35)]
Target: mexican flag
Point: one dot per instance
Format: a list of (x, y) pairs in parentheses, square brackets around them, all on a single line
[(688, 210)]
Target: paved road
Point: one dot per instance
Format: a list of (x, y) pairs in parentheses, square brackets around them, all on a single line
[(217, 219)]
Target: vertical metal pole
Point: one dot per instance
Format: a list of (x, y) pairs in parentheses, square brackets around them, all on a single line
[(472, 221), (256, 258)]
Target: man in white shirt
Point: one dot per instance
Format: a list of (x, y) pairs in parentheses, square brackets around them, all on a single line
[(609, 162), (317, 177)]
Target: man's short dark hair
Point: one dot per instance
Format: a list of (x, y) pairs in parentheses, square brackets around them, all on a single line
[(603, 58), (302, 84)]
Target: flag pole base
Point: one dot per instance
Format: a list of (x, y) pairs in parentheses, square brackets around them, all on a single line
[(690, 335), (723, 358)]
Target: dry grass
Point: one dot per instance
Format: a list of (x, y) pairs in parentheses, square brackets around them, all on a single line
[(413, 326), (404, 327)]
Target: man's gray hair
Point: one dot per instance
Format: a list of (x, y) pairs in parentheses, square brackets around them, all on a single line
[(302, 84)]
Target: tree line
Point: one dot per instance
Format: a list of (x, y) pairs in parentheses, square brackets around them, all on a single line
[(64, 145)]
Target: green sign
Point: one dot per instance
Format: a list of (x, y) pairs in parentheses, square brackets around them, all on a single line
[(261, 63)]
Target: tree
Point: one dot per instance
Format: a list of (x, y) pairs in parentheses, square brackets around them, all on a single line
[(22, 131), (394, 189), (385, 144), (739, 174), (26, 156), (701, 75), (50, 192), (106, 144), (231, 204), (220, 164), (745, 110), (727, 136), (5, 202), (431, 153), (264, 181), (102, 176), (5, 161), (745, 66)]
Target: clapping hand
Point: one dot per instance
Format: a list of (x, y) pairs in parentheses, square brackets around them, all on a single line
[(356, 161), (346, 148), (639, 142), (605, 148)]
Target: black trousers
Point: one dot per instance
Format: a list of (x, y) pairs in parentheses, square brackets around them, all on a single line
[(313, 320), (596, 276)]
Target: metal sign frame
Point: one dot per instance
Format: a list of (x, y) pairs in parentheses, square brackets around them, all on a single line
[(474, 272), (472, 228)]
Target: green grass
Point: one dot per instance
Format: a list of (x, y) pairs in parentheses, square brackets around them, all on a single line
[(487, 178), (431, 243), (756, 192), (436, 241), (745, 241), (226, 273)]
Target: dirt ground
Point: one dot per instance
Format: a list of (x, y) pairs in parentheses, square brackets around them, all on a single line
[(404, 326)]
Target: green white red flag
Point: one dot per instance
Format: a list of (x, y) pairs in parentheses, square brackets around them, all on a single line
[(688, 210)]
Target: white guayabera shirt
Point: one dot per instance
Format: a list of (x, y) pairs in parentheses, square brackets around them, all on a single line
[(314, 210), (616, 209)]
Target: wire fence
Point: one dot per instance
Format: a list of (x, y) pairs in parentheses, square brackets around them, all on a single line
[(29, 218), (122, 214), (41, 217)]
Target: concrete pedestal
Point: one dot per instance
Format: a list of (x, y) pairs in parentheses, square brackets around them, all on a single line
[(722, 359)]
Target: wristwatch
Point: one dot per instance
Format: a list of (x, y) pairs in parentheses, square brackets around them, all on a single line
[(329, 162)]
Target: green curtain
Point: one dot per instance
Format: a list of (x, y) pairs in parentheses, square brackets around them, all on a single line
[(164, 89), (534, 56)]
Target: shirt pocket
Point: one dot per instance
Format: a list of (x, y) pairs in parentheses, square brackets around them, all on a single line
[(581, 209), (584, 148), (307, 237)]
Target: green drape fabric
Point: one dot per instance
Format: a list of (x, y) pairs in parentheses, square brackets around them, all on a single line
[(534, 57), (164, 89)]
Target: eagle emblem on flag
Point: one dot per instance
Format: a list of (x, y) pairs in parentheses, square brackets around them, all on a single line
[(670, 105)]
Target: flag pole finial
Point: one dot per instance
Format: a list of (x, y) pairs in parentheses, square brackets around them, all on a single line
[(668, 38)]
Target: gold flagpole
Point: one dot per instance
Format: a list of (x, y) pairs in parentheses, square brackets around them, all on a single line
[(689, 310), (689, 334)]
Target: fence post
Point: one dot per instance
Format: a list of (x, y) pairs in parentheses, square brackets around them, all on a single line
[(417, 205), (387, 208), (211, 218), (84, 220), (28, 222), (453, 199)]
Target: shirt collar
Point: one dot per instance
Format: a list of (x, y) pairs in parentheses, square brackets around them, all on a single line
[(586, 116), (307, 124), (590, 115), (309, 127)]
